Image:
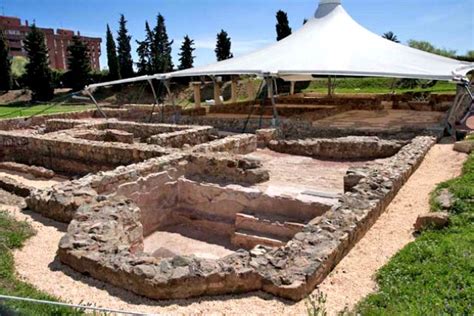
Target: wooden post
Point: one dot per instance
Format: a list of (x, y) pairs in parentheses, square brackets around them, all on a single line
[(197, 94), (292, 87), (234, 89), (329, 86), (217, 92), (250, 89)]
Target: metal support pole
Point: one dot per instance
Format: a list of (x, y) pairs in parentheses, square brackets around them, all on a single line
[(171, 96), (155, 97), (275, 119), (470, 111), (96, 104)]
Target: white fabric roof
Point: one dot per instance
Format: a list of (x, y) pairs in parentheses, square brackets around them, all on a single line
[(332, 43)]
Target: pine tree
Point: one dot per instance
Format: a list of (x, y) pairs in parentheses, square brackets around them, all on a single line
[(161, 50), (144, 52), (283, 28), (38, 74), (391, 37), (124, 49), (186, 55), (78, 64), (5, 65), (223, 46), (112, 60)]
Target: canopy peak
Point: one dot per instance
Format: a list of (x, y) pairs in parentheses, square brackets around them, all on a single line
[(329, 1)]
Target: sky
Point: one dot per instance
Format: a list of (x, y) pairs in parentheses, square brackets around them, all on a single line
[(250, 23)]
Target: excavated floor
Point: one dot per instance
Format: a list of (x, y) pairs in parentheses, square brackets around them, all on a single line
[(187, 240), (294, 175)]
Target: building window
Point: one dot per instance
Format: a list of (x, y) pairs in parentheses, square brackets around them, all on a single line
[(13, 32)]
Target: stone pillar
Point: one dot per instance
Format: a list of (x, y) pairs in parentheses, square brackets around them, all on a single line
[(197, 94), (234, 89), (217, 92), (292, 87), (250, 90)]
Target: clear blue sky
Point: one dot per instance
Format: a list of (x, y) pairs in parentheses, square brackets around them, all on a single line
[(250, 23)]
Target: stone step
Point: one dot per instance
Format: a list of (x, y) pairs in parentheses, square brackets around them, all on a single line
[(276, 225), (248, 239)]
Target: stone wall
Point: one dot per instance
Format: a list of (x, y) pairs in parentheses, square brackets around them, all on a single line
[(105, 239), (65, 154), (237, 144), (226, 169), (189, 137), (300, 129), (347, 148)]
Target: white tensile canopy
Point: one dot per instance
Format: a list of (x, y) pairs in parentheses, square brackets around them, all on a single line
[(331, 44)]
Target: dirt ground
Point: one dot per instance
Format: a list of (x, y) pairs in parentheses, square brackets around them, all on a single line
[(351, 280), (30, 180), (295, 174)]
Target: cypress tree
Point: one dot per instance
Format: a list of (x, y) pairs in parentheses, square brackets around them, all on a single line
[(283, 28), (186, 55), (161, 50), (124, 49), (112, 60), (144, 52), (223, 46), (5, 64), (78, 63), (38, 74)]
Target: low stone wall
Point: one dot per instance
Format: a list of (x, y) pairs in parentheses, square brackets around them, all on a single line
[(354, 103), (347, 148), (238, 144), (23, 123), (105, 241), (226, 169), (190, 137), (13, 186), (63, 153), (61, 201), (39, 172), (108, 135), (300, 129)]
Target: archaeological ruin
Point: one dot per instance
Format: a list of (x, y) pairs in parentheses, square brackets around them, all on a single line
[(175, 204)]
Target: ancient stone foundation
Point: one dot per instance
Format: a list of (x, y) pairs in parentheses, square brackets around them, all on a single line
[(126, 181)]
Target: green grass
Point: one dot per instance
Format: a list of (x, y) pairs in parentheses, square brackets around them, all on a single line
[(22, 111), (13, 234), (434, 275), (374, 85)]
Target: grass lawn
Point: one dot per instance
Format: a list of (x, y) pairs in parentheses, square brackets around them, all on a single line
[(433, 275), (21, 111), (374, 85), (12, 235)]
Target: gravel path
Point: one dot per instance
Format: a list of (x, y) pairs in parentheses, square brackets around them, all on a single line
[(351, 280)]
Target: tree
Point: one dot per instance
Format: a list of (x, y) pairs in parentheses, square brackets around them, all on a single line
[(5, 65), (78, 64), (112, 60), (223, 46), (38, 74), (283, 28), (430, 48), (144, 51), (124, 50), (391, 37), (161, 50), (186, 58)]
